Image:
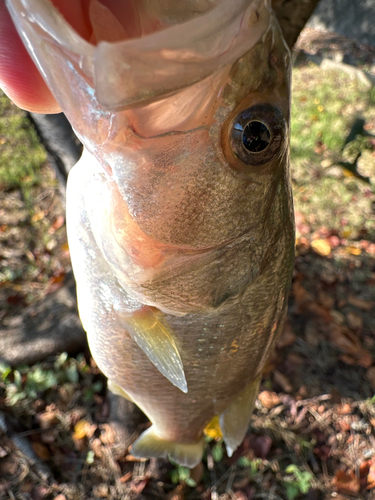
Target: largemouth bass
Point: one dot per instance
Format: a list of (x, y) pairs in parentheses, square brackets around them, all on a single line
[(180, 217)]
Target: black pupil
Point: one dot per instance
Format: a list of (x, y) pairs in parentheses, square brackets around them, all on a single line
[(256, 137)]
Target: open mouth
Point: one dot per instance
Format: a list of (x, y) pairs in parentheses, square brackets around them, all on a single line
[(115, 21), (135, 51)]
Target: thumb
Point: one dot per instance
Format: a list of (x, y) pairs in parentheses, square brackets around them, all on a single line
[(19, 77)]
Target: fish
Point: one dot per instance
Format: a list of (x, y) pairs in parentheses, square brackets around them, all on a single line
[(180, 211)]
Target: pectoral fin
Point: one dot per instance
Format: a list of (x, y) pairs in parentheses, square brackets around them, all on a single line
[(149, 445), (151, 332), (234, 421)]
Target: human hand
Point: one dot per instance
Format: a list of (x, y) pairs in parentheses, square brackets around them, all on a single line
[(20, 79)]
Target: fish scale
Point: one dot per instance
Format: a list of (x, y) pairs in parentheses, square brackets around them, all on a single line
[(180, 214)]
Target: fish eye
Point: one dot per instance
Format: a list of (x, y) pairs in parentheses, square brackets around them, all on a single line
[(257, 134)]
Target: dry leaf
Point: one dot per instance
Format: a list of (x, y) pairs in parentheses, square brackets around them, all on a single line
[(26, 486), (370, 375), (82, 429), (346, 482), (371, 476), (343, 425), (176, 494), (58, 222), (241, 483), (300, 294), (197, 473), (37, 216), (126, 477), (364, 305), (131, 458), (97, 447), (240, 495), (344, 409), (355, 322), (8, 466), (101, 490), (261, 446), (347, 342), (213, 429), (41, 450), (321, 247), (269, 399), (287, 336), (353, 250), (138, 486), (47, 419), (39, 492), (108, 434)]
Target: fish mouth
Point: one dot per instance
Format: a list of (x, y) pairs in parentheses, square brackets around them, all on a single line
[(142, 69)]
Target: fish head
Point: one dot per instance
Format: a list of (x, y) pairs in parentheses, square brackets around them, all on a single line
[(208, 186), (190, 125)]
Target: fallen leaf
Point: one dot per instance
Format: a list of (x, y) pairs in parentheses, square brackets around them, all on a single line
[(241, 483), (39, 492), (97, 447), (343, 425), (344, 409), (37, 216), (58, 222), (355, 322), (101, 490), (131, 458), (126, 477), (311, 333), (240, 495), (364, 305), (261, 446), (138, 486), (346, 482), (371, 476), (300, 293), (82, 429), (342, 338), (287, 336), (269, 399), (47, 419), (353, 250), (41, 450), (176, 494), (370, 375), (321, 247), (197, 473), (213, 429), (26, 486), (108, 434), (8, 466)]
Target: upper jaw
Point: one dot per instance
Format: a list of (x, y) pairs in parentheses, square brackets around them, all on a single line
[(143, 69)]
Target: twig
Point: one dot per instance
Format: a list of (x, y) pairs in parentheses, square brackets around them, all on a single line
[(25, 448)]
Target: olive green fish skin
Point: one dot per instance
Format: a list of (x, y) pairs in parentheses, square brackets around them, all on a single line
[(232, 298)]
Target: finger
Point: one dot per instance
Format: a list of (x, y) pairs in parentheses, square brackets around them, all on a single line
[(19, 77)]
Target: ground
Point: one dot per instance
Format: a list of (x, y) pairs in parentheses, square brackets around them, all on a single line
[(313, 431)]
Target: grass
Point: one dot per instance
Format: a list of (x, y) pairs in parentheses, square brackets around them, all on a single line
[(21, 154), (325, 105)]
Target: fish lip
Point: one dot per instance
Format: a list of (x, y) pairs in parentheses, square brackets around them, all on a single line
[(187, 52)]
